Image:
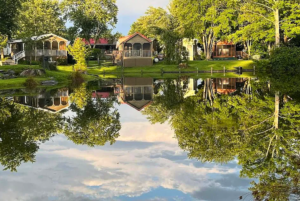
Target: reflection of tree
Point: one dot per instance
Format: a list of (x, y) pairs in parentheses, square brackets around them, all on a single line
[(247, 129), (208, 91), (21, 130), (95, 124), (168, 100), (79, 96)]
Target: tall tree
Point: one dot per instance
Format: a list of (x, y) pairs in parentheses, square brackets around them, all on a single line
[(38, 17), (9, 10), (205, 19), (281, 14), (92, 17)]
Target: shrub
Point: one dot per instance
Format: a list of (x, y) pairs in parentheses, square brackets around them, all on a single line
[(76, 79), (31, 83), (285, 60), (62, 60), (35, 63), (23, 62)]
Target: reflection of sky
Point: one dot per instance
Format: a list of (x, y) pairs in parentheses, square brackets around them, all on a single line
[(144, 164)]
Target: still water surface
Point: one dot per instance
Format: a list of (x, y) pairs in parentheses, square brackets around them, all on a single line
[(150, 139)]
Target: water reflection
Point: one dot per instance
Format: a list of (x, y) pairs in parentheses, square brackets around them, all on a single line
[(249, 121)]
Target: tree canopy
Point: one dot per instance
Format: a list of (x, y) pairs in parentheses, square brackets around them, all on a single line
[(95, 124)]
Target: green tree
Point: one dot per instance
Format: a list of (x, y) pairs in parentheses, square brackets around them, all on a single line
[(38, 17), (95, 124), (154, 17), (3, 42), (282, 15), (79, 53), (91, 17), (206, 19), (9, 10)]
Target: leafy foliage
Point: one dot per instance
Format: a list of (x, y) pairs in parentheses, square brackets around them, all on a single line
[(91, 18), (38, 17), (79, 53), (8, 14), (95, 124), (20, 136)]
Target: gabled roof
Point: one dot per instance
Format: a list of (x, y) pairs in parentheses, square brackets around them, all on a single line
[(127, 38), (36, 38), (138, 107)]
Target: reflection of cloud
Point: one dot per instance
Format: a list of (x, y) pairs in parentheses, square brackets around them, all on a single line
[(145, 132), (144, 159), (102, 173)]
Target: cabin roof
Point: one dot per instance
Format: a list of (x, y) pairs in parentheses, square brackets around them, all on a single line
[(127, 38), (36, 38)]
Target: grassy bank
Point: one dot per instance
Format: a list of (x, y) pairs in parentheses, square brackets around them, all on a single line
[(61, 76), (104, 70), (193, 66)]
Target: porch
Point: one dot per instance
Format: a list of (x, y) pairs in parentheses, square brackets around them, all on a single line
[(137, 50)]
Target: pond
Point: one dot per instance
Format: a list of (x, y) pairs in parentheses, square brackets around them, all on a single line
[(141, 138)]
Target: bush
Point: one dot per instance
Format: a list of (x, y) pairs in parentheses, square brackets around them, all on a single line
[(35, 63), (76, 79), (23, 62), (285, 60), (62, 60), (31, 83)]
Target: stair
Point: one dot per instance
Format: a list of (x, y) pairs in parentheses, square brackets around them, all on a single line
[(18, 56)]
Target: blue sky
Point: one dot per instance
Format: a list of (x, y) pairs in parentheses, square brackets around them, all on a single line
[(131, 10)]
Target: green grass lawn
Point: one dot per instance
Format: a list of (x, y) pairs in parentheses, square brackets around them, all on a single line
[(193, 66), (61, 76)]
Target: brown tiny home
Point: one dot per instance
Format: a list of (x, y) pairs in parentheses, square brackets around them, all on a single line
[(223, 49), (136, 50)]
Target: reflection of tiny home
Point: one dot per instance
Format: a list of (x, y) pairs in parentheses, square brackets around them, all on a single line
[(136, 92), (45, 101), (136, 50), (224, 50), (49, 45), (226, 85)]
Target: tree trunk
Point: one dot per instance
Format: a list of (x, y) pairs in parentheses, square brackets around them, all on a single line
[(98, 59), (276, 113), (2, 53), (249, 48), (277, 27), (269, 48), (208, 41)]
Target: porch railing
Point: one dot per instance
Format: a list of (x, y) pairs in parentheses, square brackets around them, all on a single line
[(40, 52), (137, 53)]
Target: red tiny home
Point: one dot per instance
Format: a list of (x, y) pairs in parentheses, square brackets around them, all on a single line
[(224, 49)]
